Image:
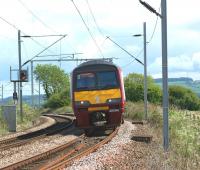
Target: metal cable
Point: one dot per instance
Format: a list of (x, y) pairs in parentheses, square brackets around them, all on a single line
[(88, 29)]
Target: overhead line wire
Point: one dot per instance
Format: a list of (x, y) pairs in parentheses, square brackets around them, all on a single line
[(44, 50), (125, 51), (91, 12), (31, 12), (152, 35), (12, 25), (140, 52), (150, 39), (88, 29), (16, 28)]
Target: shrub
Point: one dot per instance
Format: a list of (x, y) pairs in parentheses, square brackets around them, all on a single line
[(183, 98), (58, 100), (154, 94), (134, 88)]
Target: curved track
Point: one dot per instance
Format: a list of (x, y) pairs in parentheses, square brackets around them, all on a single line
[(61, 156), (77, 153), (61, 124)]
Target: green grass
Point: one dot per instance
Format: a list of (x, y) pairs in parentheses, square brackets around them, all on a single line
[(3, 125), (62, 110), (185, 139), (184, 133), (29, 116)]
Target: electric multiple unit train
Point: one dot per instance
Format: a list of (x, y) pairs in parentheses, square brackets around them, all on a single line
[(98, 96)]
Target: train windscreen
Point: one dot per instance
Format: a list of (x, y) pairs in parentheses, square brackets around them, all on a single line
[(98, 80), (85, 81)]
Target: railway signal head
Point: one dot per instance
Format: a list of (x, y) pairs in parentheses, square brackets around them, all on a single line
[(15, 96), (23, 75)]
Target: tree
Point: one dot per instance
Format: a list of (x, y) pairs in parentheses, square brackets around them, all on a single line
[(54, 80), (134, 87)]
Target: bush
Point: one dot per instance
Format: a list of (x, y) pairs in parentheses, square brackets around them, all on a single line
[(154, 94), (134, 88), (183, 98), (58, 100)]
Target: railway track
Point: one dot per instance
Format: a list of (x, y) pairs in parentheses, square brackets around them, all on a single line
[(61, 124), (61, 156)]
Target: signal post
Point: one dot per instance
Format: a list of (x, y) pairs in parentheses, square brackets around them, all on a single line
[(22, 76)]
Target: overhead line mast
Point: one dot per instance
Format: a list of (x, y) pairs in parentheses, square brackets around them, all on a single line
[(163, 17)]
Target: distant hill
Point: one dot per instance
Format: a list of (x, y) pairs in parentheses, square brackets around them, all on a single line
[(183, 81), (26, 99)]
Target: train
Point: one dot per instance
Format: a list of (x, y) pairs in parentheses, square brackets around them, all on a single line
[(98, 96)]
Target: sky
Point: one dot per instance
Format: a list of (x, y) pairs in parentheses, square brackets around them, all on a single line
[(117, 19)]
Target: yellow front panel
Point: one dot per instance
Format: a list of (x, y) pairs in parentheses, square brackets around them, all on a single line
[(98, 108), (97, 96)]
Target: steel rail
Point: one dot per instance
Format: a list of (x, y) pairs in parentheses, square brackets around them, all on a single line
[(9, 140), (20, 164), (62, 163), (25, 141), (74, 147), (57, 161)]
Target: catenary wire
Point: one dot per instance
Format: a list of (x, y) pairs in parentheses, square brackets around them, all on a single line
[(152, 35), (140, 52), (150, 39), (35, 16), (88, 29), (44, 50), (91, 12), (125, 51), (16, 28)]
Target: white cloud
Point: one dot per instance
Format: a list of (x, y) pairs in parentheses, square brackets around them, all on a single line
[(90, 49), (182, 12), (114, 18), (182, 65)]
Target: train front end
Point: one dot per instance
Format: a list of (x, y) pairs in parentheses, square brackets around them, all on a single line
[(98, 96)]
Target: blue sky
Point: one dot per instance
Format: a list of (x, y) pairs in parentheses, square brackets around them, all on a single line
[(118, 19)]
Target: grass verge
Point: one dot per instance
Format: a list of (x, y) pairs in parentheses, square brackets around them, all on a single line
[(29, 116), (184, 133), (61, 110)]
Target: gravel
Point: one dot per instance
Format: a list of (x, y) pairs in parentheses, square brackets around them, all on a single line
[(48, 122), (120, 153), (108, 155), (124, 153), (13, 155)]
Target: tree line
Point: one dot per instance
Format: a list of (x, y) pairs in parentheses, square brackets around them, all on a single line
[(57, 89)]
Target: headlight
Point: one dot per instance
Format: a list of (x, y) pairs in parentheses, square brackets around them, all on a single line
[(82, 103), (116, 100)]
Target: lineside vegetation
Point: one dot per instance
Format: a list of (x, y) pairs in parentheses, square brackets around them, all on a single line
[(184, 120), (184, 125), (29, 117)]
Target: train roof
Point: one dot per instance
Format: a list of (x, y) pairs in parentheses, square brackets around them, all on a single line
[(96, 62)]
